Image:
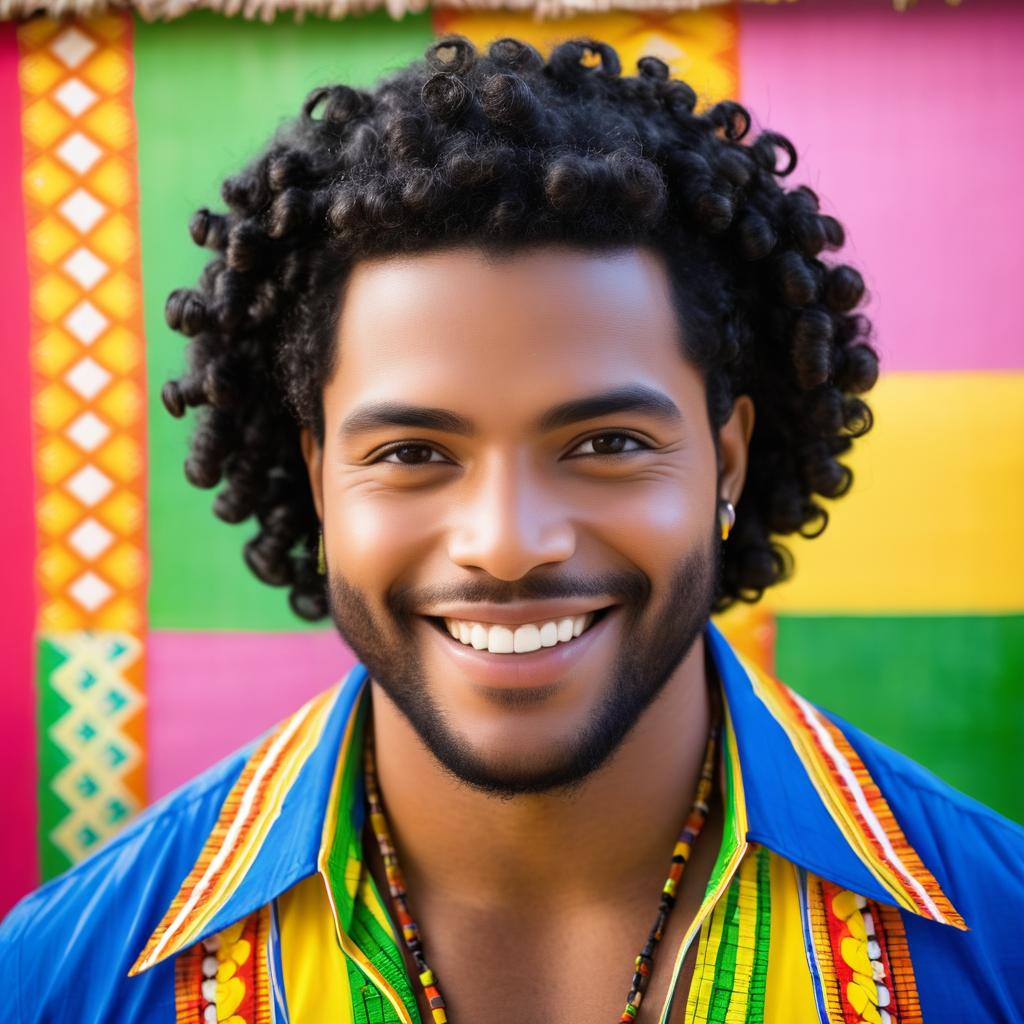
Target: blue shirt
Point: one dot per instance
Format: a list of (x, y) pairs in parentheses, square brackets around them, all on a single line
[(852, 885)]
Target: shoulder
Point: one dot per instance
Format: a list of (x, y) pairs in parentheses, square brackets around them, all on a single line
[(977, 857), (71, 943), (937, 817)]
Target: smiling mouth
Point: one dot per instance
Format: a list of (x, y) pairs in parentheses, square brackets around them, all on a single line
[(522, 639)]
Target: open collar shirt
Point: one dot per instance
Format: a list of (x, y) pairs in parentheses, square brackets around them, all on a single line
[(851, 887)]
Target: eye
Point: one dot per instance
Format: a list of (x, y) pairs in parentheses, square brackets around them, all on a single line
[(411, 454), (610, 443)]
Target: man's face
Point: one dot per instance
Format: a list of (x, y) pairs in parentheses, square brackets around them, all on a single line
[(517, 453)]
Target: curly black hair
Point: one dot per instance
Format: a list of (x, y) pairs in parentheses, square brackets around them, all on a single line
[(506, 151)]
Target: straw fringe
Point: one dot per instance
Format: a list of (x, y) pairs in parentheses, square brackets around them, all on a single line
[(267, 10)]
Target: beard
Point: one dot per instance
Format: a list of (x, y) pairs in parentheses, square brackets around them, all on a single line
[(656, 640)]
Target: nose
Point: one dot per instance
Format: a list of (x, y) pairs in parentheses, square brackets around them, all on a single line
[(508, 522)]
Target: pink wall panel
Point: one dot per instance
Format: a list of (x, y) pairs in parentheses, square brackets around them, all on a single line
[(210, 693), (20, 869), (913, 123)]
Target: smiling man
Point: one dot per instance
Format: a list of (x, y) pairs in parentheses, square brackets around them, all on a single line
[(522, 367)]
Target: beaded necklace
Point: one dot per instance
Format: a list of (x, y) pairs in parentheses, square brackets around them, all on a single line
[(643, 963)]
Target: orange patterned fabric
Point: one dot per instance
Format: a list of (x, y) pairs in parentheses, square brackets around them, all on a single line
[(862, 957), (226, 978), (89, 418), (87, 344), (855, 801), (250, 809)]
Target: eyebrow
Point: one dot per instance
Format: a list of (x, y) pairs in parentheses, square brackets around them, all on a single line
[(628, 398), (639, 398)]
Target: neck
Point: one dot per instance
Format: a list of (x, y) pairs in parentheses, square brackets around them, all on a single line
[(549, 850)]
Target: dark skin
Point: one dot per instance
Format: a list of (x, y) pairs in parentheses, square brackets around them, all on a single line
[(533, 904)]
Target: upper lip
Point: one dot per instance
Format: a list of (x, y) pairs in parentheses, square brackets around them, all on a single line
[(517, 613)]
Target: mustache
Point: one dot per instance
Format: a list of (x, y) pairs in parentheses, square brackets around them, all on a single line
[(621, 586)]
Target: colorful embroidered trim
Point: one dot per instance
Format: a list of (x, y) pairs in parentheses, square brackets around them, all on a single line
[(730, 854), (729, 979), (380, 987), (225, 979), (341, 839), (891, 936), (813, 926), (855, 802), (246, 817), (275, 968), (860, 957)]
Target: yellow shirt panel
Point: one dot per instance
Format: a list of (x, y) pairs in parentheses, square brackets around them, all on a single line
[(315, 968)]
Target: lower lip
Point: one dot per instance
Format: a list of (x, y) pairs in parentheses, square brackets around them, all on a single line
[(520, 671)]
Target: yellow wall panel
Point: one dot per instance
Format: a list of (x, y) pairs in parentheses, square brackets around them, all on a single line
[(699, 46), (934, 521)]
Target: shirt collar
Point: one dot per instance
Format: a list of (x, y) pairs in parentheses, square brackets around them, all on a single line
[(810, 797), (797, 786)]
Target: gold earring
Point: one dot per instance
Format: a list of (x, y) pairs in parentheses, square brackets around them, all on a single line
[(321, 561), (726, 517)]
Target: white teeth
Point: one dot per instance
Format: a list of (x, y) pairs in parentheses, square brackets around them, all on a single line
[(500, 640), (526, 639), (531, 636)]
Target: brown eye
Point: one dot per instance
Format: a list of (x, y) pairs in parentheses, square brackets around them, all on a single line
[(610, 444), (412, 455)]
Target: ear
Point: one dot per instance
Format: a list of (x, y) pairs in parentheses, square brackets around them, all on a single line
[(313, 455), (734, 448)]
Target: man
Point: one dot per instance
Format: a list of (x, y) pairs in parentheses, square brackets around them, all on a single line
[(521, 366)]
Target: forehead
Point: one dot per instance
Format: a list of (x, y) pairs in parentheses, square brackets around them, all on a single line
[(460, 328)]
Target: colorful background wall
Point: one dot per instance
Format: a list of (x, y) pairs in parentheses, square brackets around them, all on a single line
[(136, 648)]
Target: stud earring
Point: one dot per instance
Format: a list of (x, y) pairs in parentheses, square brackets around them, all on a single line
[(726, 517), (321, 561)]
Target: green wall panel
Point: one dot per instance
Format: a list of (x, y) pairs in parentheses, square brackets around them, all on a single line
[(209, 91), (947, 691)]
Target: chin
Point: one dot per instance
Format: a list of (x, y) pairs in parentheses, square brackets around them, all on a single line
[(520, 755)]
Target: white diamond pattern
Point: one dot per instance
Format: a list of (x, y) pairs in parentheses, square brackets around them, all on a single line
[(75, 96), (72, 47), (80, 63), (88, 431), (86, 322), (82, 210), (90, 539), (79, 152), (89, 485), (88, 378), (85, 267), (90, 591)]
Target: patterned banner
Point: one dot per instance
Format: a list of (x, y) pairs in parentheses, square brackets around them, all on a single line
[(88, 398)]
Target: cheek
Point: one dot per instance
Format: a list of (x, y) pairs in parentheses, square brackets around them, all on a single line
[(376, 539), (655, 522)]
